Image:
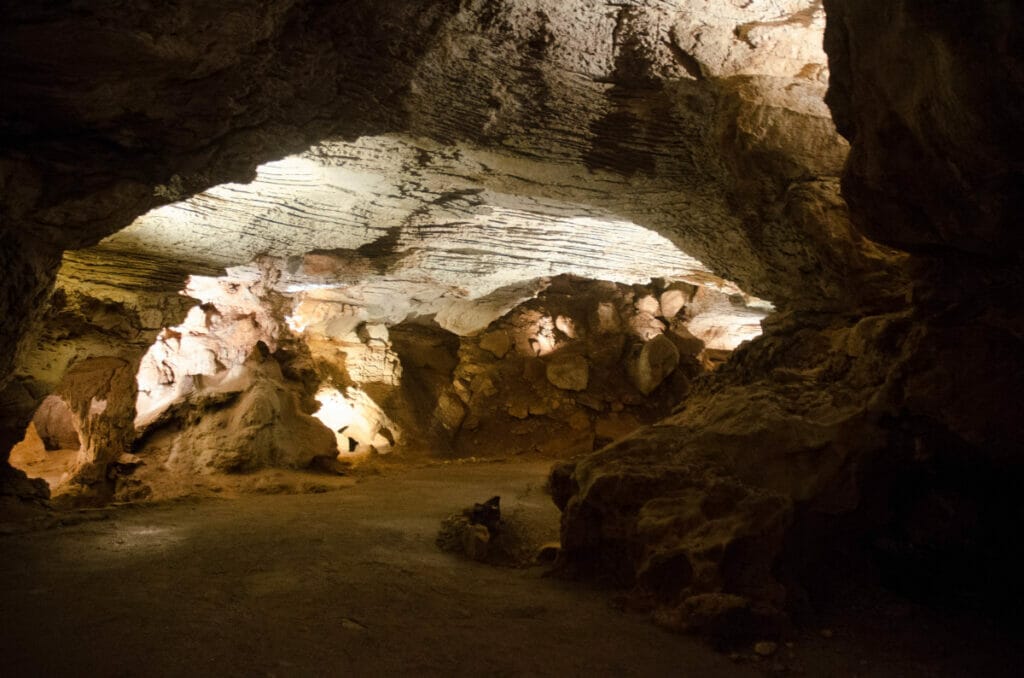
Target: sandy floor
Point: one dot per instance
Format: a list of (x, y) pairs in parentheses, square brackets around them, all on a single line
[(349, 583), (340, 583)]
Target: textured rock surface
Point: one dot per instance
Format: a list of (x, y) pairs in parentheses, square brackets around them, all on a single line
[(868, 422), (653, 362), (609, 113), (690, 127), (88, 320), (54, 425), (249, 424), (936, 149), (607, 119), (101, 395), (563, 387)]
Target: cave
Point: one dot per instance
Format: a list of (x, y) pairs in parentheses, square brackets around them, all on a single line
[(515, 337)]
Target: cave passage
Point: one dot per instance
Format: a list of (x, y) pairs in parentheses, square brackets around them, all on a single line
[(487, 331), (51, 444), (329, 327)]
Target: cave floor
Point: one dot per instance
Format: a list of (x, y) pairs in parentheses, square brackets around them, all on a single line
[(349, 582)]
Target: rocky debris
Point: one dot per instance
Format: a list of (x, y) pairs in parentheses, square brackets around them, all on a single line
[(254, 423), (476, 540), (652, 363), (487, 514), (483, 534), (571, 373), (576, 393)]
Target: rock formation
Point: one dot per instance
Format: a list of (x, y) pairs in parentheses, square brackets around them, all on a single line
[(423, 177)]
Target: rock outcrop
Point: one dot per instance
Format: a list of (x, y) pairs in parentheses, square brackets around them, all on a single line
[(873, 426), (250, 422)]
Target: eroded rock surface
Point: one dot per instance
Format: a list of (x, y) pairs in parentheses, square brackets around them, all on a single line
[(251, 422), (465, 153)]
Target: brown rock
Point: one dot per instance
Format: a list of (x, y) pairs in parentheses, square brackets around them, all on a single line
[(476, 542), (655, 360), (570, 373), (450, 411), (55, 426), (497, 343)]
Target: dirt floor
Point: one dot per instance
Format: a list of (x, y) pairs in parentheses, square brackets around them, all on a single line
[(346, 580)]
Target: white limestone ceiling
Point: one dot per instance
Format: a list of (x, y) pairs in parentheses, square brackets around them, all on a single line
[(404, 228)]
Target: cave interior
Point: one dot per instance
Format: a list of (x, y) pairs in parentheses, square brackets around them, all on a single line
[(728, 287)]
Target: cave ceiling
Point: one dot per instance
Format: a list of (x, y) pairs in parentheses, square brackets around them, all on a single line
[(685, 141), (404, 228)]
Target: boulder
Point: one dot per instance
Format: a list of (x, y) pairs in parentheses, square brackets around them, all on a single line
[(570, 373), (450, 411), (55, 425), (672, 302), (261, 426), (655, 360), (498, 343)]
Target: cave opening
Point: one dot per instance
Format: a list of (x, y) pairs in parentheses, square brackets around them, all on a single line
[(51, 443), (485, 331)]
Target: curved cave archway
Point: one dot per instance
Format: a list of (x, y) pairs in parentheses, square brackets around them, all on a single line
[(471, 318)]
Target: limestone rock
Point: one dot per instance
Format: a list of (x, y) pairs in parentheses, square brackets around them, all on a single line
[(655, 360), (648, 304), (451, 411), (571, 373), (497, 343), (476, 540), (605, 319), (260, 426), (672, 301), (101, 395), (53, 421)]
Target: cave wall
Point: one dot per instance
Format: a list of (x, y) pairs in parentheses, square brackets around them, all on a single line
[(86, 348), (891, 436), (723, 146), (935, 156), (148, 106), (718, 144)]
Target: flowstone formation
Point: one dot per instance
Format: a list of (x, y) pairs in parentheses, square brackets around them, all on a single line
[(422, 174)]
